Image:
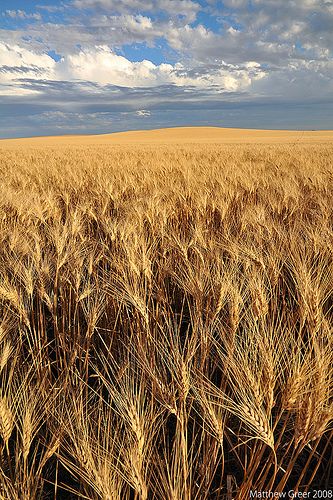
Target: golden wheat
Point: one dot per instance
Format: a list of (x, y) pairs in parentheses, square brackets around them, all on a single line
[(165, 319)]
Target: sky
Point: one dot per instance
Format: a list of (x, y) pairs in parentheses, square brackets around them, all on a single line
[(100, 66)]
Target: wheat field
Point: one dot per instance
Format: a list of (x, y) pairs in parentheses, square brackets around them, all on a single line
[(166, 316)]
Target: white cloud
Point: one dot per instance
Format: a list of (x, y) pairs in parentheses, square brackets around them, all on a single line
[(267, 33), (97, 29), (309, 20), (100, 65), (53, 8), (174, 8), (279, 49), (236, 4), (143, 112), (21, 14), (103, 66), (13, 55), (114, 4), (17, 62), (198, 41), (299, 80)]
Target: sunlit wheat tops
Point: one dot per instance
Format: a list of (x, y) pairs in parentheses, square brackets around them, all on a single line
[(165, 321)]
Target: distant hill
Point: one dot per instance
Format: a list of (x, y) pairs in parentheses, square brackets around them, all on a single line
[(179, 135)]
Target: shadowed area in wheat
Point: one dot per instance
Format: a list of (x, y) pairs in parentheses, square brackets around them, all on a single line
[(165, 321)]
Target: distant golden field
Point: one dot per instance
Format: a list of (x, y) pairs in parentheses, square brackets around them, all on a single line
[(166, 318)]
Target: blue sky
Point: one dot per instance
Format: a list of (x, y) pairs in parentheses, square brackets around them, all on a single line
[(99, 66)]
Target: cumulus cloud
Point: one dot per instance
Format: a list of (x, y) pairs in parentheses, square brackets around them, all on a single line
[(111, 56), (101, 65), (16, 62), (266, 33), (299, 80), (310, 20), (88, 31)]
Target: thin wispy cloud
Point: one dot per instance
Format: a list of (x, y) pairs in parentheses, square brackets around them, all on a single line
[(21, 14), (65, 60)]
